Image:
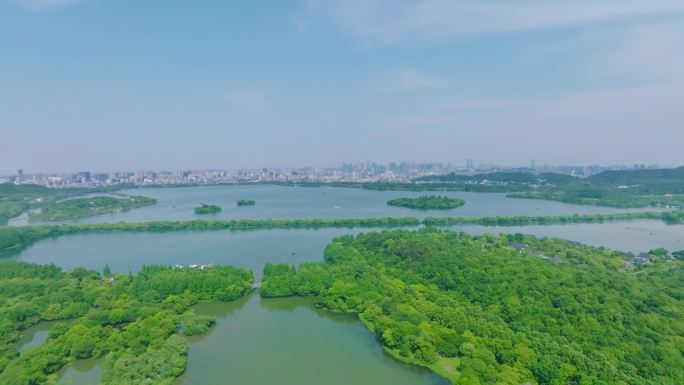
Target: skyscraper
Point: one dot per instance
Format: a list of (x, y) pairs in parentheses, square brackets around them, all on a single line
[(20, 176)]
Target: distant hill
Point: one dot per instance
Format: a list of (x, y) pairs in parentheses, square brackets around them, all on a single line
[(633, 177), (23, 191)]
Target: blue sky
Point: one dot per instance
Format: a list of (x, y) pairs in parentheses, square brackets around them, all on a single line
[(130, 85)]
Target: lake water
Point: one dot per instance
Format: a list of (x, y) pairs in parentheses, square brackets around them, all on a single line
[(289, 340), (292, 343), (322, 202), (35, 335), (252, 249), (81, 372)]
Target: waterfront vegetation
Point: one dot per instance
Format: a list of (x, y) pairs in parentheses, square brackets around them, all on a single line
[(507, 309), (13, 239), (609, 197), (88, 207), (672, 217), (428, 202), (207, 209), (10, 210), (17, 199), (135, 322), (246, 202)]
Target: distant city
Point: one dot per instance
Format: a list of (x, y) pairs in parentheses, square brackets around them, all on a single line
[(360, 172)]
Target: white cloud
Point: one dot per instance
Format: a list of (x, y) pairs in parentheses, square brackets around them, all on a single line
[(45, 4), (638, 123), (252, 99), (651, 53), (641, 118), (389, 21)]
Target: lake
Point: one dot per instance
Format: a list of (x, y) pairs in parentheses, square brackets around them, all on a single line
[(125, 252), (81, 372), (35, 335), (292, 343), (322, 202), (289, 340)]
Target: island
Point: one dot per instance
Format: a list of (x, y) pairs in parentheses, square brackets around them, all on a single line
[(88, 207), (428, 202), (207, 209), (246, 202)]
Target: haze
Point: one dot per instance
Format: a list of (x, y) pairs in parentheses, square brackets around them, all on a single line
[(113, 85)]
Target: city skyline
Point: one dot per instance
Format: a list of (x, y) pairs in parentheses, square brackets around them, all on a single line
[(347, 172), (97, 84)]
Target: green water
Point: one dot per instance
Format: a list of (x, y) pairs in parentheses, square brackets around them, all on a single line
[(287, 341), (81, 372), (279, 341)]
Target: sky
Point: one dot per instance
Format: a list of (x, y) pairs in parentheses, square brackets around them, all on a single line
[(109, 85)]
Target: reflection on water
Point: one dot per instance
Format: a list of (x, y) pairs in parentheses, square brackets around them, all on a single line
[(81, 372), (288, 341), (36, 335)]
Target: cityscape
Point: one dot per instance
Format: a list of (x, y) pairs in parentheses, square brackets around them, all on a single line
[(352, 173)]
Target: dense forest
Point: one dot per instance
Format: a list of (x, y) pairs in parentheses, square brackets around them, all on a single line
[(135, 322), (207, 209), (505, 309), (13, 239), (428, 202), (87, 207)]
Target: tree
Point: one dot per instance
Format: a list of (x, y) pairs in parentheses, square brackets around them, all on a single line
[(106, 272)]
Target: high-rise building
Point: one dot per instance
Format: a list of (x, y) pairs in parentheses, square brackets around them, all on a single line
[(532, 164), (20, 176), (470, 164)]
